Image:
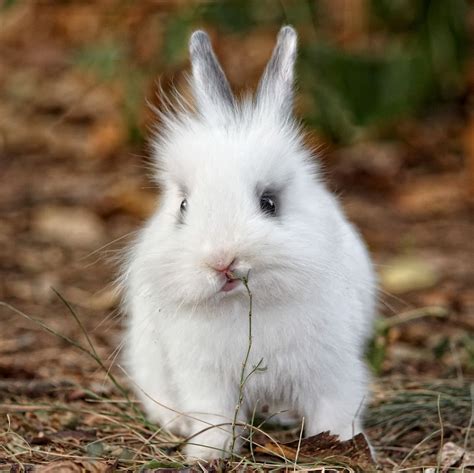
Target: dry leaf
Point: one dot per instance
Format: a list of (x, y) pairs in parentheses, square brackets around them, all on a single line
[(468, 460), (69, 226), (76, 466), (405, 274), (106, 139), (431, 196), (373, 165), (128, 196), (327, 447), (453, 455)]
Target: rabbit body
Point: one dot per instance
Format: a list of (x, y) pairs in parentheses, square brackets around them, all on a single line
[(242, 198)]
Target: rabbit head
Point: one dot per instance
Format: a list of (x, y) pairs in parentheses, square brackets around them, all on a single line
[(240, 191)]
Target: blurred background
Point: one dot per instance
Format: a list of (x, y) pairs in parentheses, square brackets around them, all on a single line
[(385, 89)]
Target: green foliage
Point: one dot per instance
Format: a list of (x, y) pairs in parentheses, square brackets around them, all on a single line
[(353, 91), (110, 61), (159, 464), (178, 30), (232, 16), (377, 349), (104, 59), (5, 4), (419, 63)]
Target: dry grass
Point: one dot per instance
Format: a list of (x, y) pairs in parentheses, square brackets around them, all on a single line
[(408, 423)]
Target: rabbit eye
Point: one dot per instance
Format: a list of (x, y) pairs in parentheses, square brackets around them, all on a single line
[(183, 206), (267, 204)]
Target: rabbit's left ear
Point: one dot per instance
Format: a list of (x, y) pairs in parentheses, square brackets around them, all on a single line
[(210, 86), (275, 90)]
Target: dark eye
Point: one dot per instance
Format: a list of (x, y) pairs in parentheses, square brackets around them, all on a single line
[(184, 206), (267, 204)]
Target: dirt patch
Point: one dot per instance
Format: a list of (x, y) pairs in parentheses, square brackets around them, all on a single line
[(74, 191)]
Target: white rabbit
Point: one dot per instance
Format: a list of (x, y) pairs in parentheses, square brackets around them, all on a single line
[(242, 195)]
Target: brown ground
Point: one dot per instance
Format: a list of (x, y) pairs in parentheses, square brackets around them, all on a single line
[(71, 192)]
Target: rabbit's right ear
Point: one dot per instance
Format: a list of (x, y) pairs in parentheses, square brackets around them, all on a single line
[(210, 86), (275, 91)]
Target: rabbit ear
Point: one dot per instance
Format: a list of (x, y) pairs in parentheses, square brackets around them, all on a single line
[(210, 86), (276, 86)]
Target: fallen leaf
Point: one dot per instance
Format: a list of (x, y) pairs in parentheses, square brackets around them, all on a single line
[(324, 446), (106, 139), (453, 455), (95, 449), (429, 196), (408, 273), (467, 460), (69, 436), (76, 466), (369, 165), (128, 196), (69, 225)]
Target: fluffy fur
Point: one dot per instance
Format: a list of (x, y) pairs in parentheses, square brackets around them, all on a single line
[(309, 273)]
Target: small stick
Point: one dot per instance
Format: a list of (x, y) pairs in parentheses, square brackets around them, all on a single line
[(243, 378)]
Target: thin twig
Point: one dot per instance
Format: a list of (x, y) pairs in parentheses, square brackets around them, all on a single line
[(252, 453), (243, 377), (299, 444), (441, 442), (410, 315), (471, 419)]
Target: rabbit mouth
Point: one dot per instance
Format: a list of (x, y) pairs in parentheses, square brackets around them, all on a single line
[(230, 284), (232, 280)]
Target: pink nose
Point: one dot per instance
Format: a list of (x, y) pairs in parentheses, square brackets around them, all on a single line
[(223, 266)]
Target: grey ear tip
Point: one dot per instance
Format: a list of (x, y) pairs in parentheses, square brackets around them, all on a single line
[(287, 29), (199, 40), (288, 34)]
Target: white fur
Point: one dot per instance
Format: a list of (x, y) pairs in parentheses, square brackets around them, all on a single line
[(311, 279)]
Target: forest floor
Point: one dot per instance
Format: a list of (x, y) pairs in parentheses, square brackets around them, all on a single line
[(58, 219), (71, 196)]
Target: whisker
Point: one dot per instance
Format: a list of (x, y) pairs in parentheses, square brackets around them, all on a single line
[(108, 244)]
